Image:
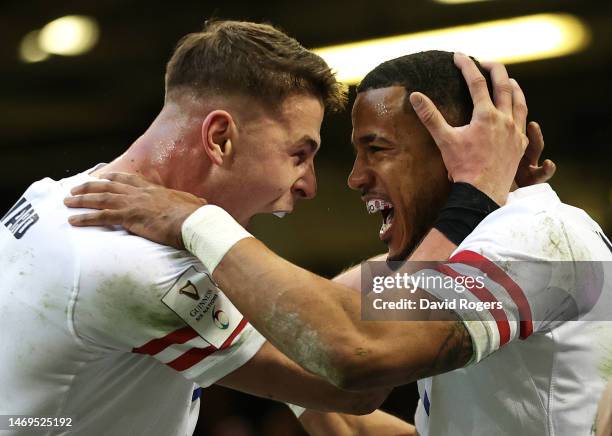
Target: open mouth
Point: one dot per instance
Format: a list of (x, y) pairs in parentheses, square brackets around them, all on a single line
[(387, 212)]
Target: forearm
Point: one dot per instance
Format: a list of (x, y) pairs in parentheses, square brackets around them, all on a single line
[(329, 339), (374, 424), (272, 375), (272, 293)]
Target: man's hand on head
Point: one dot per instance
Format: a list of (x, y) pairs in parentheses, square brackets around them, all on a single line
[(146, 209), (486, 152)]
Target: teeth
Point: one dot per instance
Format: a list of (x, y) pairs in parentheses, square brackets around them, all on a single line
[(279, 214), (386, 223), (377, 205), (389, 218), (384, 228)]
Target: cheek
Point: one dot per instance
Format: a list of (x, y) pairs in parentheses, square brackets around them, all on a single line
[(409, 206), (274, 178)]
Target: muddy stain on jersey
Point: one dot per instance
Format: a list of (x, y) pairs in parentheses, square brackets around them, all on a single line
[(127, 302)]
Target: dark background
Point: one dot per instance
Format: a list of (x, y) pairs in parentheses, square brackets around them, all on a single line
[(63, 115)]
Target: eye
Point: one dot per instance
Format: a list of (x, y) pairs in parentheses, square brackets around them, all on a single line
[(375, 148), (300, 156)]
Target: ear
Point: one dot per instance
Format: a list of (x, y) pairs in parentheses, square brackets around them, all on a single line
[(216, 135)]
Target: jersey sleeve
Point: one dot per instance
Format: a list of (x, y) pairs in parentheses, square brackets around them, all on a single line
[(139, 297), (517, 278)]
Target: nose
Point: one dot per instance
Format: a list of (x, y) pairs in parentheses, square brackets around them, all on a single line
[(306, 186), (358, 178)]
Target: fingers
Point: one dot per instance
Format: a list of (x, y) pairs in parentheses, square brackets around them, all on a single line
[(101, 186), (530, 171), (550, 168), (431, 117), (536, 143), (502, 86), (475, 81), (541, 174), (109, 216), (96, 201), (128, 179), (519, 105), (546, 171), (100, 218)]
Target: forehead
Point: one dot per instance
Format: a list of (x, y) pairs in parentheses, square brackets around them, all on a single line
[(378, 109), (296, 117), (301, 110), (300, 117)]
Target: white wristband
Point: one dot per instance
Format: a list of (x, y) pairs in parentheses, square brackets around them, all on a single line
[(297, 410), (209, 233)]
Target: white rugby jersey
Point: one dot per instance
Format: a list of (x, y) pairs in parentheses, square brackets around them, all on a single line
[(112, 330), (532, 372)]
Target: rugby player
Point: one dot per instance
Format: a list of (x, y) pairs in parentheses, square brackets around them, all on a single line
[(522, 369)]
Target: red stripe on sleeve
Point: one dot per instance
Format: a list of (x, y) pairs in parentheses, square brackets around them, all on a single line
[(190, 358), (498, 275), (155, 346), (196, 355), (484, 295), (235, 333)]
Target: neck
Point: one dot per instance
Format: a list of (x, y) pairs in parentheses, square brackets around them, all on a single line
[(166, 154)]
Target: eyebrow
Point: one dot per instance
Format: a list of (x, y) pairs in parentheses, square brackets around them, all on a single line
[(369, 138), (312, 143)]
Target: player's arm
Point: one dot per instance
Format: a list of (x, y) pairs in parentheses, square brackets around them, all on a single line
[(374, 424), (272, 375), (317, 423), (318, 324)]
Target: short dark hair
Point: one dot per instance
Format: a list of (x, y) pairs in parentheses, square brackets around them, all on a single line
[(434, 74), (257, 60)]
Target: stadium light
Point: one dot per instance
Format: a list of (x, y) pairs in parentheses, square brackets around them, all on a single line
[(29, 49), (69, 36), (511, 40)]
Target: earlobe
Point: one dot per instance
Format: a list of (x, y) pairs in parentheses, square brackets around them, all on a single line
[(216, 131)]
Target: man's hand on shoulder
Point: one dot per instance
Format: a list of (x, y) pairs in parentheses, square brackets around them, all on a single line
[(144, 208)]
